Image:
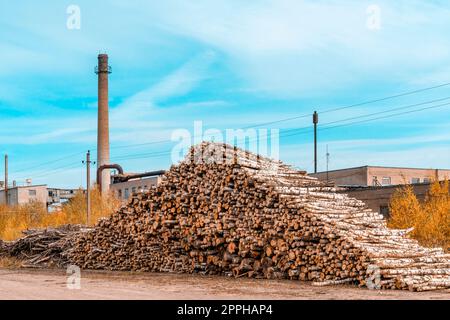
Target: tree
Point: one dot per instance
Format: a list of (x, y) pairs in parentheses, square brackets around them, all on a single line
[(430, 219), (404, 208)]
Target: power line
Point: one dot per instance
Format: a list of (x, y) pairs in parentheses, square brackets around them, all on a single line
[(309, 114), (140, 144), (306, 129), (144, 155), (386, 98), (389, 116), (58, 171), (393, 109), (298, 130), (352, 105), (44, 173), (48, 162), (273, 122), (367, 120), (61, 168), (373, 114)]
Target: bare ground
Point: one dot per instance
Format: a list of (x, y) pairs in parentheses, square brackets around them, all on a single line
[(52, 284)]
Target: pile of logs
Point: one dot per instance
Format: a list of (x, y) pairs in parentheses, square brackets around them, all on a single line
[(229, 212), (42, 247), (3, 248)]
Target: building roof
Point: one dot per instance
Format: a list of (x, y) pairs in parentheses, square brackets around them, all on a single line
[(23, 187), (396, 186), (381, 167)]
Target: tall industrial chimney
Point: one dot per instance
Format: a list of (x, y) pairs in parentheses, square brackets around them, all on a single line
[(103, 70)]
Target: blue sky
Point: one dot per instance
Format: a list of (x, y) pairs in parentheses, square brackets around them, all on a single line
[(230, 64)]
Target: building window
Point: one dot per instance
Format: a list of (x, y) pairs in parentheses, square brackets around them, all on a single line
[(375, 181), (415, 180), (384, 210), (32, 193), (133, 190), (386, 181), (119, 193), (426, 180), (127, 193)]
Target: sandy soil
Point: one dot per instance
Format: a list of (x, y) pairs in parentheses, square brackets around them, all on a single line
[(52, 284)]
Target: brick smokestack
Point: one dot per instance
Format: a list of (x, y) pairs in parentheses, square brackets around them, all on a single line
[(103, 70)]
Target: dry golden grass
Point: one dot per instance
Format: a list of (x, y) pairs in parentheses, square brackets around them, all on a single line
[(15, 219), (430, 219), (10, 263)]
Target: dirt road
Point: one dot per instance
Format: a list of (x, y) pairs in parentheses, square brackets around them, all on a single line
[(52, 284)]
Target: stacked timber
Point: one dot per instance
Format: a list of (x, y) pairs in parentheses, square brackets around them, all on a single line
[(42, 247), (3, 246), (226, 211)]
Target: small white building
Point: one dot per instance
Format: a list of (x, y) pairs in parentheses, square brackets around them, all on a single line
[(24, 194)]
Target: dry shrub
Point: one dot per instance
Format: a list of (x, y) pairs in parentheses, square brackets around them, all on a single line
[(10, 263), (15, 219), (430, 219), (404, 208), (74, 212)]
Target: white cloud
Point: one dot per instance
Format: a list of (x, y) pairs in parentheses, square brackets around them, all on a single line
[(140, 110), (294, 48)]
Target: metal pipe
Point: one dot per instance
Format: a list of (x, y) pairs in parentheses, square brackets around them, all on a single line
[(127, 177), (100, 176)]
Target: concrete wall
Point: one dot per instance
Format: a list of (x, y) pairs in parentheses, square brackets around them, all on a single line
[(403, 175), (26, 194), (378, 198), (124, 190), (381, 176), (345, 177)]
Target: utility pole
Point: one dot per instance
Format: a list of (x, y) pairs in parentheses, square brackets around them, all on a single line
[(6, 180), (315, 121), (88, 186), (328, 161)]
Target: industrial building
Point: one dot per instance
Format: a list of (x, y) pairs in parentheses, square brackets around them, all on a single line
[(57, 197), (51, 197), (123, 190), (378, 198), (375, 176), (24, 194), (375, 185)]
